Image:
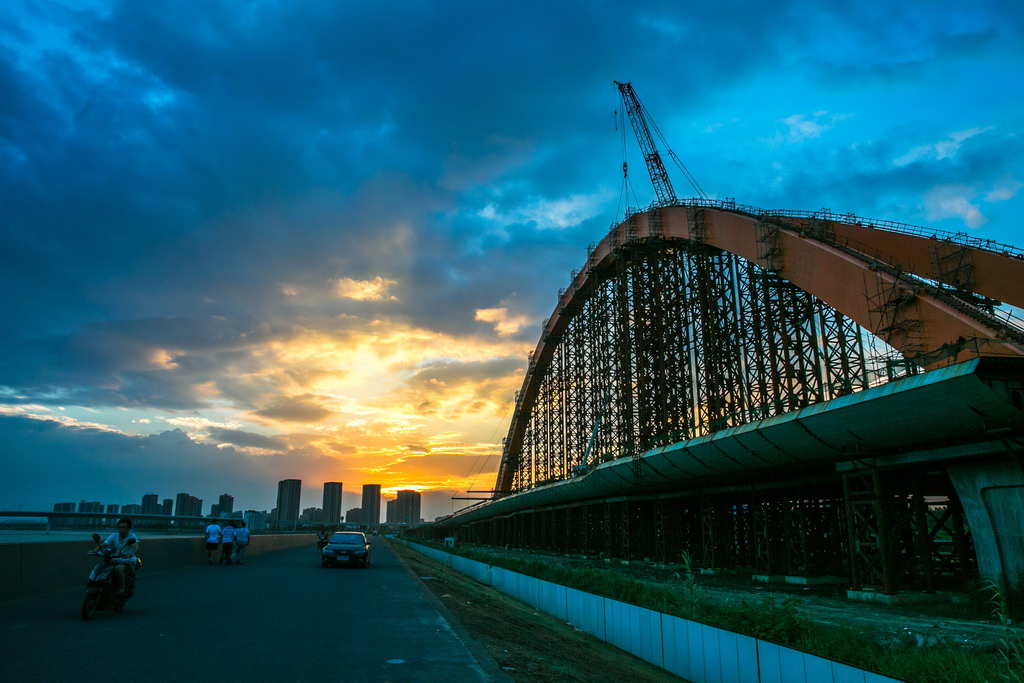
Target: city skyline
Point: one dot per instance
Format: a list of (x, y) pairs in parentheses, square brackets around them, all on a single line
[(337, 271), (151, 503)]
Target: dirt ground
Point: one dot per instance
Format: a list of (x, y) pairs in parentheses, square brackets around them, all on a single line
[(529, 646)]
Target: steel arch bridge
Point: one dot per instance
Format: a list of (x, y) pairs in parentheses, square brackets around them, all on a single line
[(709, 353)]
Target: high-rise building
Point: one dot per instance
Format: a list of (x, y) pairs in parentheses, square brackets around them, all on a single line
[(332, 502), (354, 516), (187, 505), (288, 493), (227, 503), (151, 504), (371, 504), (407, 507), (168, 507)]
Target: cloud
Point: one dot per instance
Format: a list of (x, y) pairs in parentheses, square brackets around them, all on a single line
[(296, 409), (1005, 189), (238, 437), (504, 323), (943, 149), (365, 290), (954, 201), (550, 214)]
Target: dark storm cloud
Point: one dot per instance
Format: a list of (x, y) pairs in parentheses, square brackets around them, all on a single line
[(296, 409), (156, 362), (238, 437), (71, 463)]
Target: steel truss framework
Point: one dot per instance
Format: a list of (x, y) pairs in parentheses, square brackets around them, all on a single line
[(680, 327), (865, 531), (676, 340)]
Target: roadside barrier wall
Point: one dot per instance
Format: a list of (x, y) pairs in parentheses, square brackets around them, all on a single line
[(694, 651), (36, 568)]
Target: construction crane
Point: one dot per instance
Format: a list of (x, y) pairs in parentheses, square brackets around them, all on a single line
[(639, 118)]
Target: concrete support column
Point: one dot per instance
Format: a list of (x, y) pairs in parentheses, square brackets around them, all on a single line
[(992, 495)]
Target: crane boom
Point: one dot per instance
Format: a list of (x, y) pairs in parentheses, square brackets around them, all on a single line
[(659, 176)]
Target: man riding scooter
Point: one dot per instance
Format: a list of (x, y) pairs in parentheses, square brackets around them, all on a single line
[(124, 571)]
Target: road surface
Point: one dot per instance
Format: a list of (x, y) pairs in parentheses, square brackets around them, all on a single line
[(278, 617)]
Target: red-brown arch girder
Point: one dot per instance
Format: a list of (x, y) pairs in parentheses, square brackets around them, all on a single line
[(854, 268)]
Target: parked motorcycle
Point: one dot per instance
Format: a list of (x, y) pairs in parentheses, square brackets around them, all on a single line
[(101, 589)]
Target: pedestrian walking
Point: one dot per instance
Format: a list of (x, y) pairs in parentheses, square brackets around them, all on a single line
[(241, 543), (212, 538), (227, 542)]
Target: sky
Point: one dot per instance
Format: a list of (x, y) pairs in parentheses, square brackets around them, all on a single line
[(249, 241)]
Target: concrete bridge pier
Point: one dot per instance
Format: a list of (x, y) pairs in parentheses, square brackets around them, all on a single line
[(992, 494)]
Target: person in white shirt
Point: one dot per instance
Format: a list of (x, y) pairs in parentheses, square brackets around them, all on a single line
[(212, 538), (227, 541), (124, 559), (241, 542)]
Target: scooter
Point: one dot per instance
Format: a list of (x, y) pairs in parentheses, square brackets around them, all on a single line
[(101, 589)]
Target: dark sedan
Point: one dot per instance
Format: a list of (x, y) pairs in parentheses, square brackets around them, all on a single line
[(346, 547)]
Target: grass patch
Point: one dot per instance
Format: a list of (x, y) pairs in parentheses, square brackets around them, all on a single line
[(778, 622)]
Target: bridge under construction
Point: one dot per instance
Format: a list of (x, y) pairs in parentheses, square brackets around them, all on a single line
[(800, 394)]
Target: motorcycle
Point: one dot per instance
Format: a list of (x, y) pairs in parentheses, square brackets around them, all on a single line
[(101, 589)]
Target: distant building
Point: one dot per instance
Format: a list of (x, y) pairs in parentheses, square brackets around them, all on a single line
[(187, 505), (332, 502), (63, 507), (288, 494), (113, 508), (354, 516), (89, 506), (407, 507), (167, 508), (390, 511), (151, 504), (226, 502), (215, 510), (130, 509), (312, 515), (371, 504), (256, 521)]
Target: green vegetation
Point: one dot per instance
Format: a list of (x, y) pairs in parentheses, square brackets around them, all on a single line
[(779, 623), (1011, 645)]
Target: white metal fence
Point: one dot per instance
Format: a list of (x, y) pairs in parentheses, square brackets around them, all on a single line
[(694, 651)]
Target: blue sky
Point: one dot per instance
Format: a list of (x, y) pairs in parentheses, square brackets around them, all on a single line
[(249, 241)]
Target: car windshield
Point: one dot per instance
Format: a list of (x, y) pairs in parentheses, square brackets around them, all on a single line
[(348, 539)]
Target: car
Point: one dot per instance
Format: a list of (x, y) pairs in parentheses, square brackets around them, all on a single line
[(346, 547)]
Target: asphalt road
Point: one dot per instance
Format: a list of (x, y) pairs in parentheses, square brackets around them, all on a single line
[(278, 617)]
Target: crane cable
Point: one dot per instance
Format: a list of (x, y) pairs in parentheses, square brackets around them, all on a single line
[(627, 187), (672, 155)]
